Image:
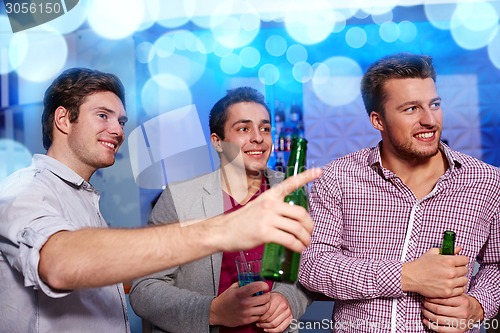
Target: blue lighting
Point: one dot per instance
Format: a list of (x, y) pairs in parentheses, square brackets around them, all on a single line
[(494, 50), (302, 72), (249, 57), (440, 15), (389, 32), (269, 74), (474, 25), (336, 81), (14, 156), (355, 37), (276, 45), (230, 64), (38, 57), (115, 26), (164, 92), (175, 58), (144, 52), (296, 53), (407, 31), (309, 27)]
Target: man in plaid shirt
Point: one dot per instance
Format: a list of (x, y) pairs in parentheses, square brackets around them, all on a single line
[(380, 214)]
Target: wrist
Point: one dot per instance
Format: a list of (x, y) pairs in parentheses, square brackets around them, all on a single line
[(406, 281), (213, 319), (477, 312)]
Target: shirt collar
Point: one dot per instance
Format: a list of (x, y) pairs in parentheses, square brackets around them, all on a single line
[(59, 169), (375, 160)]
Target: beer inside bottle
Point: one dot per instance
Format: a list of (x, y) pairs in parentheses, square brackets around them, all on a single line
[(448, 246), (278, 262)]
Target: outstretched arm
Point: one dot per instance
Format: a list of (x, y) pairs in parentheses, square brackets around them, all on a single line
[(96, 257)]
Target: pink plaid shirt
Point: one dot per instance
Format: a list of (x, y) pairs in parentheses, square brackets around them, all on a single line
[(368, 223)]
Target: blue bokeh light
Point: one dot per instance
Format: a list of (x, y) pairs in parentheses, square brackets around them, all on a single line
[(309, 27), (407, 31), (221, 50), (182, 62), (185, 40), (356, 37), (68, 22), (389, 32), (439, 15), (296, 53), (340, 21), (494, 50), (152, 11), (361, 14), (5, 40), (336, 81), (175, 16), (377, 9), (115, 26), (302, 72), (276, 45), (144, 52), (382, 18), (206, 43), (230, 63), (164, 46), (474, 25), (14, 156), (164, 92), (234, 30), (477, 16), (269, 74), (249, 57), (38, 57)]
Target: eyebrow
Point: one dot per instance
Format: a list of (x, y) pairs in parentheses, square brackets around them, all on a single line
[(436, 99), (247, 121), (103, 108)]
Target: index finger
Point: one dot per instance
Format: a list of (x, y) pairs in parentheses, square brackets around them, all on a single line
[(254, 287), (292, 183)]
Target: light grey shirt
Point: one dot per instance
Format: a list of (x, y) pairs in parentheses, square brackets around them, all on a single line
[(35, 203)]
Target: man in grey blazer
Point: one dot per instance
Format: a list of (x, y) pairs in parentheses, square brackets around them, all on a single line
[(200, 296)]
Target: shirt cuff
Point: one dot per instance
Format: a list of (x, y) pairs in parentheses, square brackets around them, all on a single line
[(30, 243), (389, 278)]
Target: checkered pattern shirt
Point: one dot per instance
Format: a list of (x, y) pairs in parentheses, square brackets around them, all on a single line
[(368, 223)]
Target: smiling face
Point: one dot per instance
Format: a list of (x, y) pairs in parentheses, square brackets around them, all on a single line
[(92, 141), (411, 122), (247, 133)]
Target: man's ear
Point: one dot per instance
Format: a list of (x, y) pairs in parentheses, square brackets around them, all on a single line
[(377, 121), (216, 142), (61, 119)]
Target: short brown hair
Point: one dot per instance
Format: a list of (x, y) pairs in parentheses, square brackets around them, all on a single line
[(397, 66), (70, 89)]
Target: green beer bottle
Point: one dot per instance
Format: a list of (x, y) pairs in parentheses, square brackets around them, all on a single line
[(448, 246), (278, 262)]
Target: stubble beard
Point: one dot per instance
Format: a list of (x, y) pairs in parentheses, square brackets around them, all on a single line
[(409, 152)]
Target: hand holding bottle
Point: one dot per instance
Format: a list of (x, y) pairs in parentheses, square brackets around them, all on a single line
[(435, 275), (278, 262), (455, 314), (272, 220)]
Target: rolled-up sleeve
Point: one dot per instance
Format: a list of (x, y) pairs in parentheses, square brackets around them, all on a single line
[(28, 218)]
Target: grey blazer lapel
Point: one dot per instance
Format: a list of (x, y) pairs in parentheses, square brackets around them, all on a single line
[(213, 205)]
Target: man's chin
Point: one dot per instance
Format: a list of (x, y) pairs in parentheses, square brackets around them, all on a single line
[(255, 171)]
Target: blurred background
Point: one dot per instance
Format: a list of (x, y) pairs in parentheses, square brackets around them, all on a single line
[(177, 58)]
